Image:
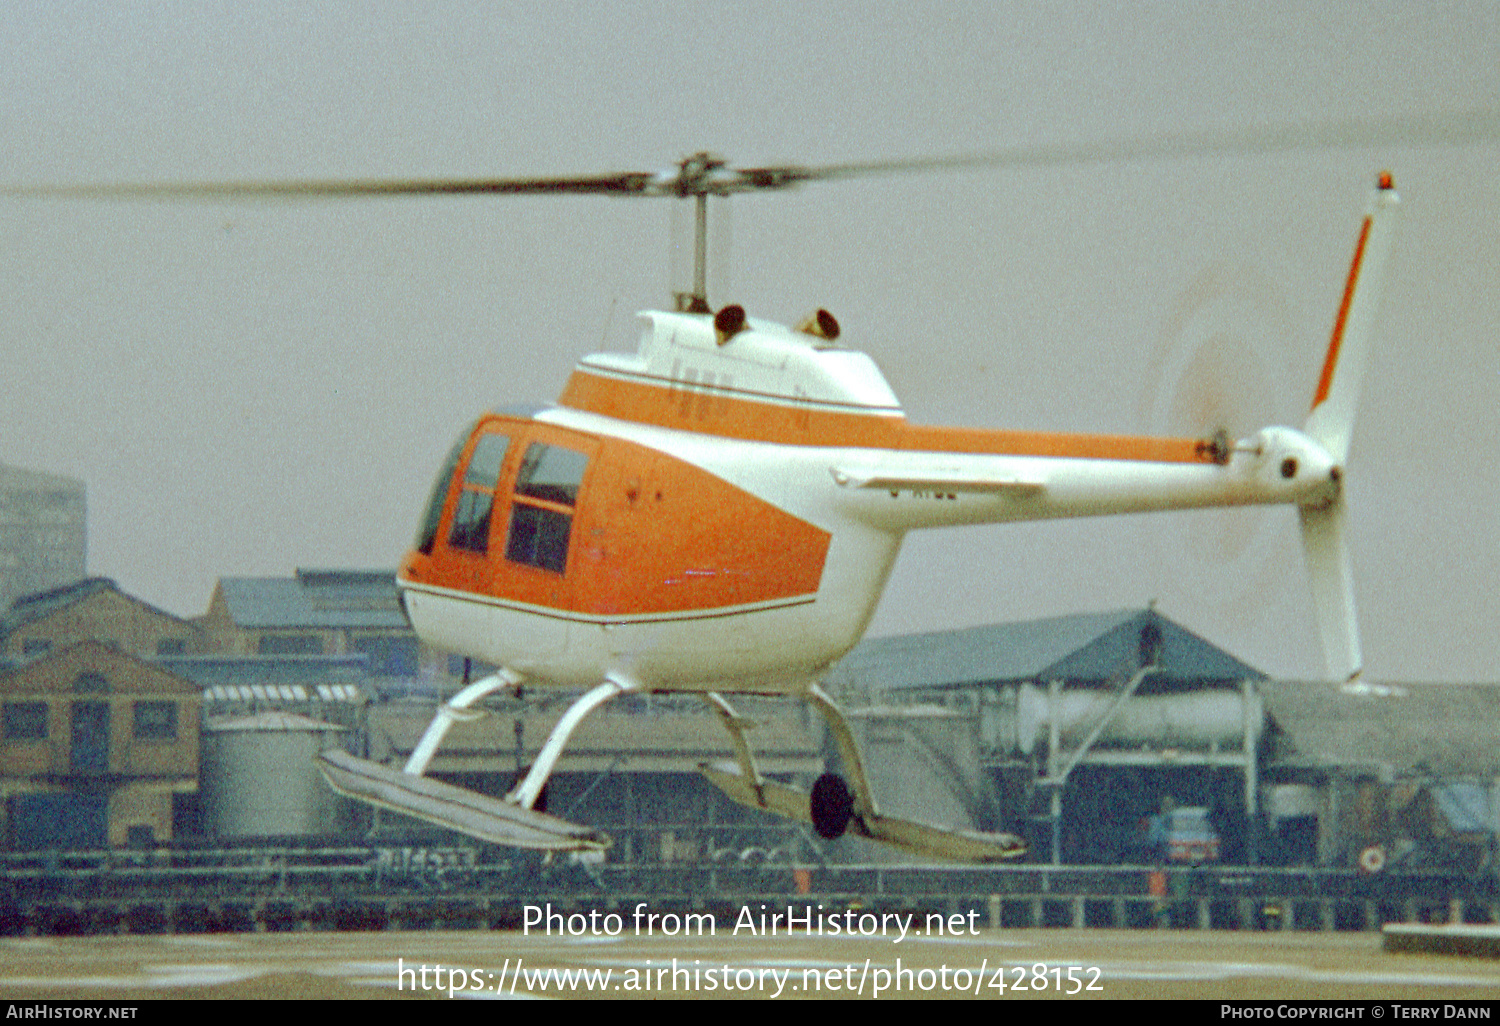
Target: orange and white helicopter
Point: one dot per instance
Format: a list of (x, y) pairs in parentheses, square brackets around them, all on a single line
[(718, 512)]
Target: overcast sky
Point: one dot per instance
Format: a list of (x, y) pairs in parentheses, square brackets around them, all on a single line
[(248, 388)]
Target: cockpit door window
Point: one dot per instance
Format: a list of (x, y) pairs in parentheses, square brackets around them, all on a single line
[(541, 515)]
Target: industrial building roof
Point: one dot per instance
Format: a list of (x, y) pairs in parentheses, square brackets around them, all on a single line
[(308, 670), (315, 598), (1442, 730), (1085, 646)]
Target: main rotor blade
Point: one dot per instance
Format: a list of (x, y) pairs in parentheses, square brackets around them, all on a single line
[(703, 174), (619, 184), (1462, 128)]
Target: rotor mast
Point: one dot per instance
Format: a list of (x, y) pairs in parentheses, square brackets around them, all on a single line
[(698, 176), (697, 300)]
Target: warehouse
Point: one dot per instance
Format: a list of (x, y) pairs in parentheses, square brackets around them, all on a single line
[(1083, 728), (1088, 732)]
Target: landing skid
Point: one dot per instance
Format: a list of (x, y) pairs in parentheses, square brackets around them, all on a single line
[(515, 820), (488, 819), (835, 806), (917, 838)]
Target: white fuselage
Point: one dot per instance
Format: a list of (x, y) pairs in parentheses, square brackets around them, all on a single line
[(864, 497)]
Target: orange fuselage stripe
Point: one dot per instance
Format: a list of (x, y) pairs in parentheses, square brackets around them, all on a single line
[(729, 416), (1331, 361)]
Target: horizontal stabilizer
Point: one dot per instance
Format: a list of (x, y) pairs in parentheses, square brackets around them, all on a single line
[(917, 838), (488, 819), (932, 480)]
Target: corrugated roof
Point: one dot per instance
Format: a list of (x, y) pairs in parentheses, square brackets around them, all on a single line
[(319, 599), (1084, 646), (1445, 730)]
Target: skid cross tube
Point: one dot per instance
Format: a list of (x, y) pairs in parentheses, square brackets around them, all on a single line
[(457, 709), (525, 793)]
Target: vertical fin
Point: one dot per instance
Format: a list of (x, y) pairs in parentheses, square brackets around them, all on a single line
[(1331, 421), (1331, 424)]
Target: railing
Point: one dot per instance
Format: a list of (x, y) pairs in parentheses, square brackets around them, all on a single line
[(414, 886)]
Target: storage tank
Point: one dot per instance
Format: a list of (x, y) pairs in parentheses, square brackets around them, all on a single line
[(259, 778), (1188, 719)]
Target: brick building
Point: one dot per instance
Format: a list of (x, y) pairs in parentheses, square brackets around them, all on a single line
[(93, 609), (96, 746)]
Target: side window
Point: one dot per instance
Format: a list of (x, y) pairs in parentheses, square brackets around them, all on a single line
[(541, 517), (471, 518), (155, 721), (427, 532), (25, 721)]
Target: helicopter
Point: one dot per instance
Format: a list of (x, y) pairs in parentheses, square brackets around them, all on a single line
[(717, 513)]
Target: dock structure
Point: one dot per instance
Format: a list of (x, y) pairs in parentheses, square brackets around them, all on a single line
[(379, 888)]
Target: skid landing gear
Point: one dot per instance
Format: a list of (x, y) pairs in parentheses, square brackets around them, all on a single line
[(836, 806), (518, 820)]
